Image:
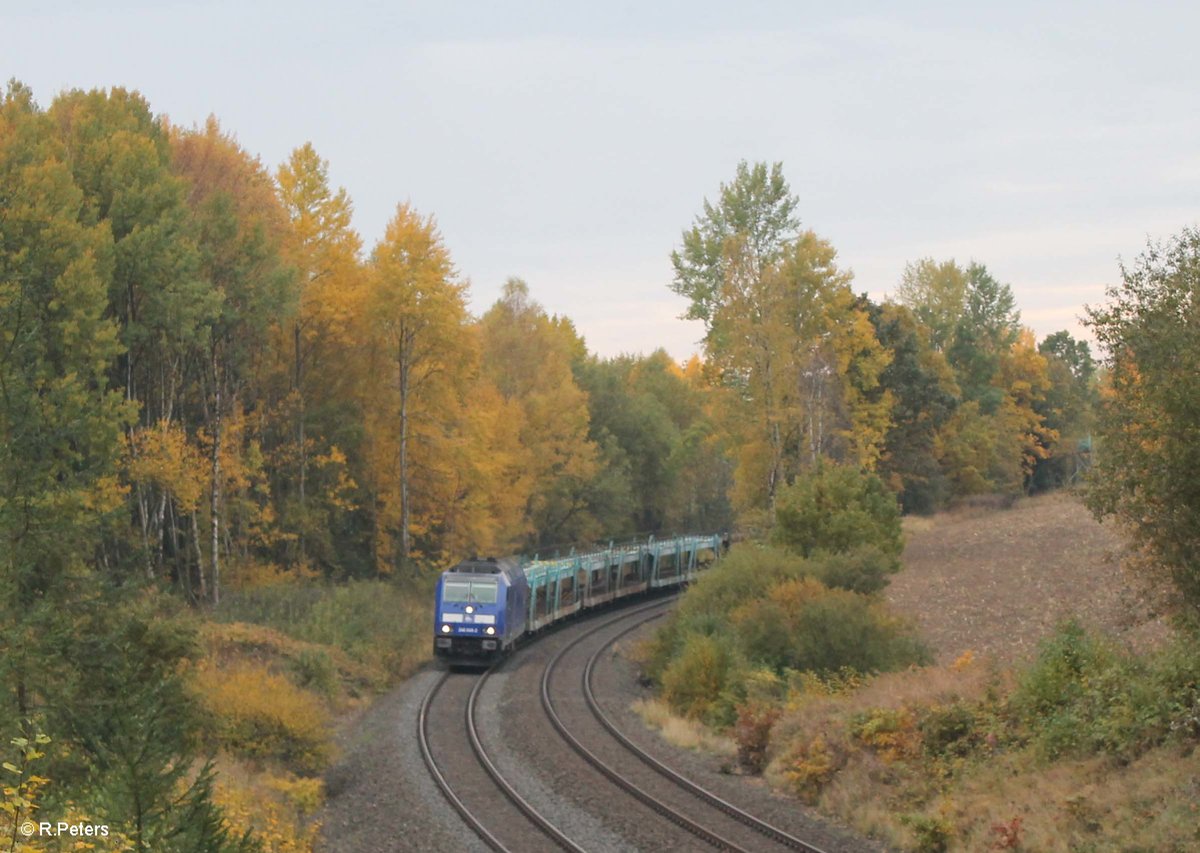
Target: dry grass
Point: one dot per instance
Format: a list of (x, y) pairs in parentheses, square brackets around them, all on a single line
[(986, 585), (681, 731)]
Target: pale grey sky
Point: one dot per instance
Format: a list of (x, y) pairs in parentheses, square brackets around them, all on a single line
[(571, 143)]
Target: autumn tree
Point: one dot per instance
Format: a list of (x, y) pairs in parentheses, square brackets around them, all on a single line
[(1148, 454), (311, 481), (798, 354), (527, 356), (240, 226), (936, 293), (420, 358), (1068, 408)]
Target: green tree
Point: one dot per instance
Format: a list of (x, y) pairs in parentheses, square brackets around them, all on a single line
[(1149, 424), (924, 396), (986, 330), (60, 422), (936, 294), (120, 158), (753, 220)]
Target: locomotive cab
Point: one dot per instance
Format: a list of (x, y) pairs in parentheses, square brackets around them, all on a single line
[(480, 608)]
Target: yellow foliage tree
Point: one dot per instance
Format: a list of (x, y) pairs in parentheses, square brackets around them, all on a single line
[(802, 355), (420, 356), (317, 351), (527, 357)]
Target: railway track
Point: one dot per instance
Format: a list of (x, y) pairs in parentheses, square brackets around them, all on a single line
[(738, 814), (536, 832), (700, 828), (504, 820)]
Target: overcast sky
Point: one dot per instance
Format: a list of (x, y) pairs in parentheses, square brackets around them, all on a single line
[(569, 144)]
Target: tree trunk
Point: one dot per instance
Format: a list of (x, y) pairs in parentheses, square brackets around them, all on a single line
[(404, 508), (215, 500), (298, 384), (203, 584)]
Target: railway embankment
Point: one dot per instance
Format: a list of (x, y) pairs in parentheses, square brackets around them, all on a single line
[(1059, 712)]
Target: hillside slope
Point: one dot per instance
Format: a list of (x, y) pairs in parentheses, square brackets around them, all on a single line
[(997, 581)]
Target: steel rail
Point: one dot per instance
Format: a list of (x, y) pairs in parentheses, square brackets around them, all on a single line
[(679, 819), (738, 814), (504, 785), (475, 823)]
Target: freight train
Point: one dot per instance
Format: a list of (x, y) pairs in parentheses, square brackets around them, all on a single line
[(484, 607)]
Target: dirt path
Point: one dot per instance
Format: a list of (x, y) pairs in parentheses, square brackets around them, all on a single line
[(997, 581)]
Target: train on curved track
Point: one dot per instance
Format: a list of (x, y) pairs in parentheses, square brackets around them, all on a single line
[(484, 607)]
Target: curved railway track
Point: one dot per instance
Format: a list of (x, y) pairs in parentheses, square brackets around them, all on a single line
[(738, 814), (536, 822), (499, 826), (657, 803)]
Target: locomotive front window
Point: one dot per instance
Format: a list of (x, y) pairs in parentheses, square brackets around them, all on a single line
[(483, 592)]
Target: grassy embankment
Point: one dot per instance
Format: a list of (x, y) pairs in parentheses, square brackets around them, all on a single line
[(1087, 743), (279, 666)]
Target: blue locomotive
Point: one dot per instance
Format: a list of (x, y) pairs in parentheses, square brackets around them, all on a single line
[(481, 606), (484, 607)]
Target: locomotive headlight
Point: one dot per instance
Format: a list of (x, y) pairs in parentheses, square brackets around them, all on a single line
[(489, 630), (469, 609), (445, 629)]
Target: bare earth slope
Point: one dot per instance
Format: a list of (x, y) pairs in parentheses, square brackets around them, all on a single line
[(997, 581)]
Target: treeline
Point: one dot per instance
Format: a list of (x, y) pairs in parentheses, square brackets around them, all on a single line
[(942, 392), (261, 394), (207, 382)]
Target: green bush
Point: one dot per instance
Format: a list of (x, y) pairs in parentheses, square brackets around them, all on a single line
[(863, 569), (1081, 695), (700, 680), (835, 509), (805, 626), (745, 574)]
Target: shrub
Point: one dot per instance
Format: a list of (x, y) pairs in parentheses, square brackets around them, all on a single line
[(258, 714), (864, 569), (932, 833), (948, 730), (835, 509), (314, 669), (745, 574), (1081, 695), (378, 623), (697, 681), (812, 765), (804, 626), (256, 812), (889, 732), (752, 732)]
